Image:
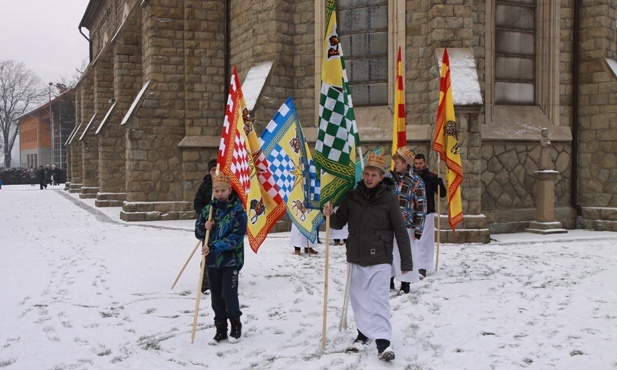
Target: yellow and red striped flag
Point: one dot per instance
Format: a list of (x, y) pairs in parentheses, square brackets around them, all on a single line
[(446, 144), (399, 124), (240, 156)]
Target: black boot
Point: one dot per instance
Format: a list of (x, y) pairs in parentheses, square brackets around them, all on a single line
[(404, 287), (221, 333), (384, 351), (391, 283), (236, 330)]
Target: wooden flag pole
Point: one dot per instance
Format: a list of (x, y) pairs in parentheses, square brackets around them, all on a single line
[(193, 252), (343, 322), (438, 210), (186, 263), (203, 269), (325, 291)]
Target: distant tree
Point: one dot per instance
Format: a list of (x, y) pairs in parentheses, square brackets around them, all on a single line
[(20, 89), (64, 83)]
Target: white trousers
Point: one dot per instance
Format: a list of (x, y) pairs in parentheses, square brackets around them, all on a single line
[(411, 276), (369, 294), (296, 239), (426, 245)]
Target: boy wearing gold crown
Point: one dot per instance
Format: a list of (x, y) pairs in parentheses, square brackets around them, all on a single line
[(224, 255), (409, 188), (374, 218)]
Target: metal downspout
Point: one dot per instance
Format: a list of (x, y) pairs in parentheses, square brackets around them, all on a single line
[(227, 47), (89, 44), (575, 102)]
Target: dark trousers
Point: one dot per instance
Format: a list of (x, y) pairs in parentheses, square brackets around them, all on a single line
[(224, 293)]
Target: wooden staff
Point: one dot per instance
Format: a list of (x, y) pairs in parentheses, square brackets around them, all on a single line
[(437, 211), (325, 290), (186, 263), (203, 268), (343, 322), (197, 246)]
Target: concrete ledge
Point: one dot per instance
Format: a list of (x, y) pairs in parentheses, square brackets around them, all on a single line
[(108, 203), (88, 192), (156, 211), (553, 227), (75, 188)]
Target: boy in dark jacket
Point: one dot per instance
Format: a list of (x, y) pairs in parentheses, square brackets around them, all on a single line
[(372, 213), (224, 256)]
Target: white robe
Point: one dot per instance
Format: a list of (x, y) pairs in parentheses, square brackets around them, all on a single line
[(339, 234), (369, 294), (426, 245), (296, 239), (411, 276)]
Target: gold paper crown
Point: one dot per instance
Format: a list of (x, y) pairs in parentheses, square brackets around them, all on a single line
[(375, 160), (406, 154), (220, 180)]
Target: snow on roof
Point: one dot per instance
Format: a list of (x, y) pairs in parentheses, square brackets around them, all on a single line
[(612, 65), (464, 76), (254, 82)]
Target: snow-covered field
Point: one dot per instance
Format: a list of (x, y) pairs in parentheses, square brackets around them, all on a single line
[(83, 290)]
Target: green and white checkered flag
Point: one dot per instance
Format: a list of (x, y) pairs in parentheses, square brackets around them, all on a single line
[(337, 139)]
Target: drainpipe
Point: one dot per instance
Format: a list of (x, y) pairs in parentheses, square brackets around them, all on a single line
[(89, 44), (575, 92), (227, 48)]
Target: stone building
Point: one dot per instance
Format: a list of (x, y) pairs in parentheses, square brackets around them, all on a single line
[(150, 104)]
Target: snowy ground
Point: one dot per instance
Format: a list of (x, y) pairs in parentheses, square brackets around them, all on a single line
[(83, 290)]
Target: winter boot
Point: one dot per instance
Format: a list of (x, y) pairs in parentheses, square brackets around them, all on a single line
[(310, 251), (221, 333), (384, 351), (358, 344), (391, 283), (236, 330), (297, 251), (422, 273), (404, 288)]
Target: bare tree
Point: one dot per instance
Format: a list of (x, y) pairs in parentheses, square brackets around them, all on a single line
[(20, 88)]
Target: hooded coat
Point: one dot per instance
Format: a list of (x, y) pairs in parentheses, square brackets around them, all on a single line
[(374, 218)]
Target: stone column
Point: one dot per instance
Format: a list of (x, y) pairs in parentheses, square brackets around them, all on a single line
[(126, 71), (88, 139), (545, 204), (154, 173)]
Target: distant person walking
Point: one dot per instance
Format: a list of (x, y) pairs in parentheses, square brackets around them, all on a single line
[(56, 174), (48, 173), (32, 174), (42, 181)]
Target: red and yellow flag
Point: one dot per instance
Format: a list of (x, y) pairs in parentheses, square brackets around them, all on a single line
[(399, 124), (446, 144), (240, 156)]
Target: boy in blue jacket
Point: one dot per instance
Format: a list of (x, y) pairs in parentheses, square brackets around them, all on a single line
[(224, 255)]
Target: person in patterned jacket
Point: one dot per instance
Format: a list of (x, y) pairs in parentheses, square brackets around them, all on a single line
[(224, 255), (409, 188)]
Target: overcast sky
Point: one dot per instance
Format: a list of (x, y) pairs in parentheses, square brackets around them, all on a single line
[(43, 34)]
